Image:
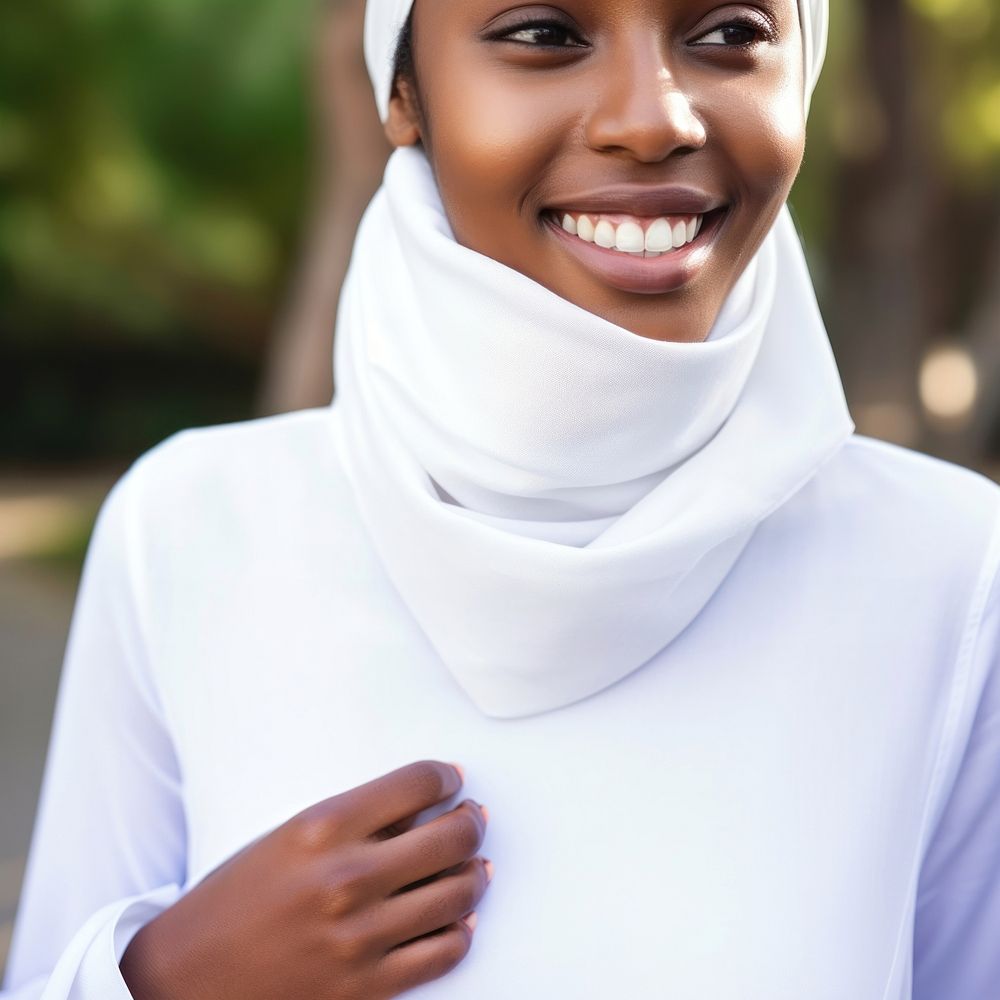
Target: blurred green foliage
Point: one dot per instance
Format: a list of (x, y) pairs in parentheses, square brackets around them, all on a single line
[(153, 160), (152, 165)]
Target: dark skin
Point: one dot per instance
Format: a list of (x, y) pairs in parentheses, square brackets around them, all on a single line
[(351, 899), (523, 108), (348, 900)]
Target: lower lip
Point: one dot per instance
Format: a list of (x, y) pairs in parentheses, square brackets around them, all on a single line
[(644, 275)]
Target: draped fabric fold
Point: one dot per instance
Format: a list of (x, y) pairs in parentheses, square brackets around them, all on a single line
[(554, 497)]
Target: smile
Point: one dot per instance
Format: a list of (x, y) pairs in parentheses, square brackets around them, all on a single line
[(642, 255), (634, 235)]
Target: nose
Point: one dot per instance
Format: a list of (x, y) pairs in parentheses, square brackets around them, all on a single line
[(641, 109)]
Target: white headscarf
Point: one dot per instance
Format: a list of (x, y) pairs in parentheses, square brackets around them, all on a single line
[(554, 497)]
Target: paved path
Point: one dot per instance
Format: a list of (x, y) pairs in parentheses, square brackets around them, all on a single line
[(36, 602), (35, 608)]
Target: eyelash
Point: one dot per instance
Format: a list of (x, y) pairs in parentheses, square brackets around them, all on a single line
[(763, 31), (538, 24)]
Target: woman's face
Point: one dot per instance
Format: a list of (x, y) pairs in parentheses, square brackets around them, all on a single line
[(585, 143)]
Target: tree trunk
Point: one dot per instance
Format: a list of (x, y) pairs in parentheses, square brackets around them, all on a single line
[(351, 152)]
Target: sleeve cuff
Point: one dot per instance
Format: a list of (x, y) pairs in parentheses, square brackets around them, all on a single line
[(88, 968)]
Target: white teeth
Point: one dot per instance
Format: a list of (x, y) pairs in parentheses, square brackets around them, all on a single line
[(604, 234), (630, 238), (660, 236)]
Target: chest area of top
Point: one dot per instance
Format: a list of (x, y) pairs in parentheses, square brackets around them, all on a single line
[(713, 825), (666, 853)]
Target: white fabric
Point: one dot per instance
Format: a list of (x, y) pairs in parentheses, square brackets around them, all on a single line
[(554, 497), (620, 477), (799, 798), (384, 20)]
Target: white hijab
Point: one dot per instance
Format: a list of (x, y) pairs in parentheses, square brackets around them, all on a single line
[(556, 498)]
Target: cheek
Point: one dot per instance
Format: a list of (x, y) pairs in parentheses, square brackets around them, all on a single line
[(768, 137), (491, 142)]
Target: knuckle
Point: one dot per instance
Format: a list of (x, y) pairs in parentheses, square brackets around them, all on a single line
[(347, 946), (447, 951), (424, 780), (467, 895), (454, 835), (436, 911), (454, 947), (432, 844), (310, 831), (466, 832), (348, 888)]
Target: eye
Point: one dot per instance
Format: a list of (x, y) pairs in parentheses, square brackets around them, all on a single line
[(736, 34), (542, 34)]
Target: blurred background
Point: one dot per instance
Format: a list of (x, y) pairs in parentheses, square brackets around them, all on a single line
[(179, 186)]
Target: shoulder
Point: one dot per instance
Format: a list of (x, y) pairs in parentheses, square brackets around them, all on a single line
[(292, 443), (895, 500), (901, 544), (886, 472), (236, 483), (901, 535), (241, 464)]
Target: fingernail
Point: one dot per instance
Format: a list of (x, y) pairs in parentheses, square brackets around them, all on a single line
[(485, 812), (488, 865), (460, 769), (471, 920)]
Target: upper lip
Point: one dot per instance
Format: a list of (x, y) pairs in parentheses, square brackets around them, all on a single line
[(641, 200)]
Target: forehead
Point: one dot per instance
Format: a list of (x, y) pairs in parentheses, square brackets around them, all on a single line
[(458, 11)]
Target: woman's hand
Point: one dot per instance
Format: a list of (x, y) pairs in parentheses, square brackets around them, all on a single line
[(325, 907)]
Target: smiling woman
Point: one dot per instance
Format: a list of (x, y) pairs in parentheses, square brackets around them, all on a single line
[(537, 114), (587, 515)]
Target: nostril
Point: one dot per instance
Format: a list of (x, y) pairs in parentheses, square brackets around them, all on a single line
[(647, 141)]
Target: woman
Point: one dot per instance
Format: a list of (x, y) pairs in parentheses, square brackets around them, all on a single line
[(587, 516)]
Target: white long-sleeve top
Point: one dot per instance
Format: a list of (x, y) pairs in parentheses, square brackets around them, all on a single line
[(798, 798)]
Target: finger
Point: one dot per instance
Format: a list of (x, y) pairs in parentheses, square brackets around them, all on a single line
[(432, 907), (429, 849), (395, 797), (395, 829), (427, 958)]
